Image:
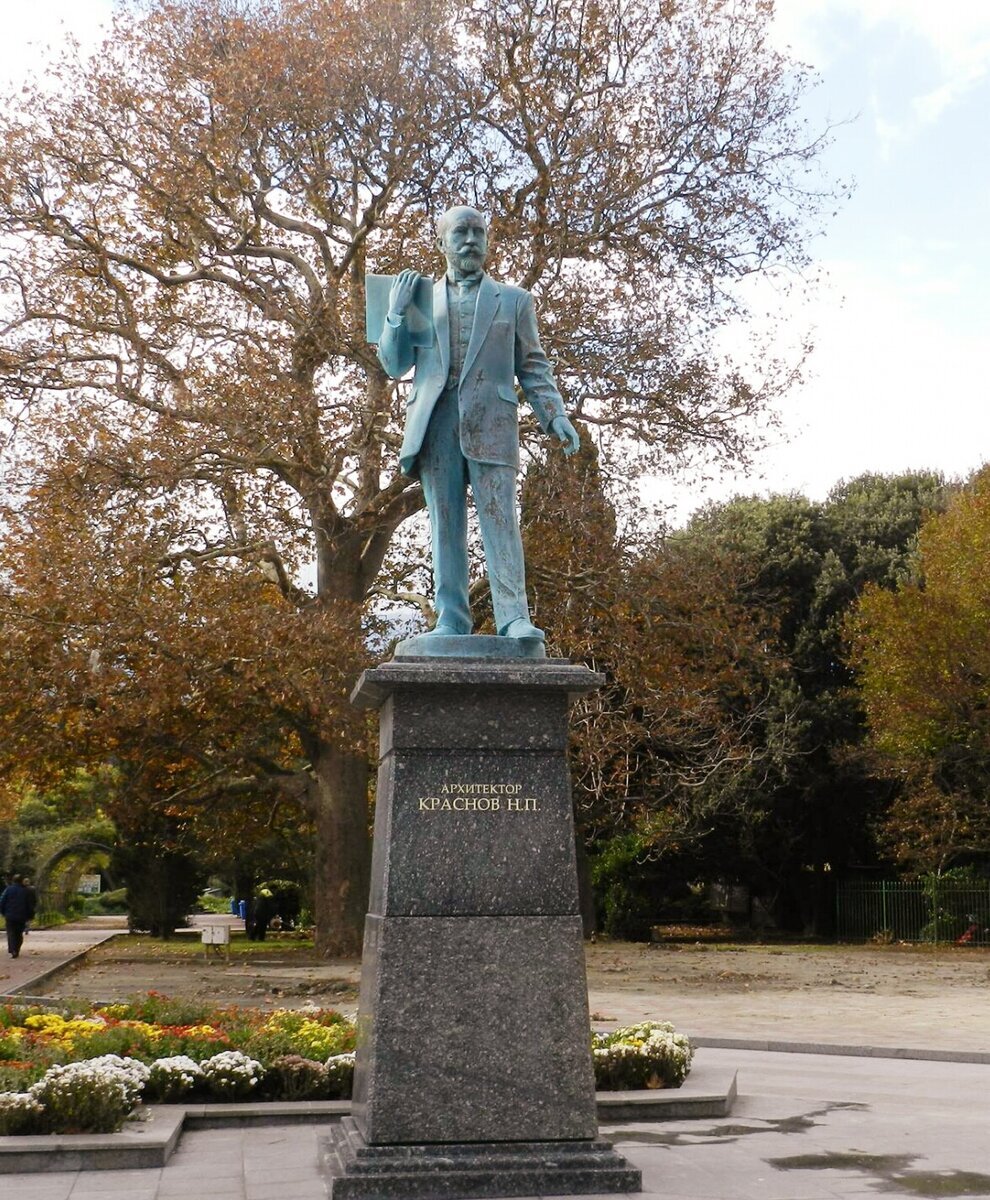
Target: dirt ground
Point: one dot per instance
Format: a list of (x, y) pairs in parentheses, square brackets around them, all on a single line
[(863, 995), (255, 975)]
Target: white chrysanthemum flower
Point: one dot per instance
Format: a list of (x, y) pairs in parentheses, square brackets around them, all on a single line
[(231, 1074), (649, 1054), (18, 1111)]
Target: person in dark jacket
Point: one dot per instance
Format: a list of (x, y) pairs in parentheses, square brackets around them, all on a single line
[(17, 908), (262, 911), (32, 902)]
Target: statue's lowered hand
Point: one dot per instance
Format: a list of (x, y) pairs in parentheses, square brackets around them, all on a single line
[(565, 432)]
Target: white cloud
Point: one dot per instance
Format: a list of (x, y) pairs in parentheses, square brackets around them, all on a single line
[(796, 28), (929, 107), (943, 49), (891, 385), (889, 134), (957, 31)]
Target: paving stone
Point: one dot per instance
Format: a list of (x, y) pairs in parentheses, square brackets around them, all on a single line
[(36, 1187), (300, 1172), (133, 1193), (314, 1191), (213, 1189), (195, 1166), (936, 1111)]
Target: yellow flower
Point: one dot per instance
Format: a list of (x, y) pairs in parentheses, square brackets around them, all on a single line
[(279, 1019), (154, 1032), (45, 1022), (200, 1031), (113, 1011), (54, 1028)]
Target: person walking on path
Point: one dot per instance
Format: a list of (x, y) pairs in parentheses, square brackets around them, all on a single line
[(32, 902), (17, 905)]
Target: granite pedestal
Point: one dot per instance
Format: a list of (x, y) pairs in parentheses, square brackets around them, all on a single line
[(474, 1073)]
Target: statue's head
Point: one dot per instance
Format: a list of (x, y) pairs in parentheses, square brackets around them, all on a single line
[(462, 235)]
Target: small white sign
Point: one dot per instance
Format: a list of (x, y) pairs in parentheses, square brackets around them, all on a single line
[(89, 885), (216, 935)]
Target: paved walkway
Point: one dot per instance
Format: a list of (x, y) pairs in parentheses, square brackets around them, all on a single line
[(805, 1127), (44, 950)]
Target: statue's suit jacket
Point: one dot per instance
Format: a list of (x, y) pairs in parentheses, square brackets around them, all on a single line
[(504, 346)]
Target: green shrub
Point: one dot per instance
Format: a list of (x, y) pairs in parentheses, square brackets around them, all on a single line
[(315, 1035), (18, 1077), (621, 877), (627, 915), (159, 1009), (128, 1041), (11, 1044), (292, 1077), (173, 1079), (106, 903), (162, 885), (340, 1076)]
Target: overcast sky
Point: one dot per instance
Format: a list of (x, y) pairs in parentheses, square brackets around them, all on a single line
[(898, 376), (897, 379)]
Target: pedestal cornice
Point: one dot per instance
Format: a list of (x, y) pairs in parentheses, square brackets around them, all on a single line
[(549, 674)]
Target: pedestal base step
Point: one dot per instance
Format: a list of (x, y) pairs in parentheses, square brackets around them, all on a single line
[(463, 1170)]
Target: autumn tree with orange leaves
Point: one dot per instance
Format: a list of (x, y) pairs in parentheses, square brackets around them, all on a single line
[(200, 487), (923, 654), (664, 622)]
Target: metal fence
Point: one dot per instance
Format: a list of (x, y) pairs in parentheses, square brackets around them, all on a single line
[(932, 911)]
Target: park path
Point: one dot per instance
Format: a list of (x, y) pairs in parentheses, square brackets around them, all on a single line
[(805, 1127), (47, 950)]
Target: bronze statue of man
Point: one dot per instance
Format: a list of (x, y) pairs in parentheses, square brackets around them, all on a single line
[(462, 424)]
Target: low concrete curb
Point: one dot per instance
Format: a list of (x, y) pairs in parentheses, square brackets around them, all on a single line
[(785, 1047), (707, 1092), (278, 1112), (147, 1143)]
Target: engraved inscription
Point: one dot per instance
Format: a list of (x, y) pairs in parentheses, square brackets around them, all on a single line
[(478, 798), (480, 789), (460, 803), (522, 804)]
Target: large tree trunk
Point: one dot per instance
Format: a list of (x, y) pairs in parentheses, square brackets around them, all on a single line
[(343, 849)]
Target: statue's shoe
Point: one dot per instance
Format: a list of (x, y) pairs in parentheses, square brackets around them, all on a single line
[(445, 631), (521, 628)]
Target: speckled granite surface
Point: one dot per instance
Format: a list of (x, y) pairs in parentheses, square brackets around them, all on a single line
[(474, 1065)]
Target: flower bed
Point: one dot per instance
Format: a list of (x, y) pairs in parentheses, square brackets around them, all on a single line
[(648, 1055), (86, 1071)]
